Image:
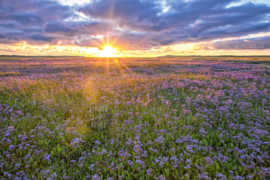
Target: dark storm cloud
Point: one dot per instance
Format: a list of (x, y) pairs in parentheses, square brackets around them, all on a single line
[(123, 9), (39, 37), (60, 28), (136, 24), (32, 30), (27, 19), (259, 43), (30, 16), (47, 10), (185, 21)]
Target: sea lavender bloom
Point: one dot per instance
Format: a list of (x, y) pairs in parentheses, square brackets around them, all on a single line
[(11, 147), (149, 171), (238, 178), (137, 149), (161, 163), (91, 167), (121, 153), (96, 177), (204, 176), (130, 163), (220, 176), (160, 140), (54, 175), (202, 131), (209, 161), (11, 128), (142, 163), (47, 157), (75, 142), (160, 178)]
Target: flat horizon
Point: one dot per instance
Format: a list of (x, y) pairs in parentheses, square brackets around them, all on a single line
[(135, 28)]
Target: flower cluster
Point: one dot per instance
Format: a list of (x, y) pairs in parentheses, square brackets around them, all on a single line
[(195, 119)]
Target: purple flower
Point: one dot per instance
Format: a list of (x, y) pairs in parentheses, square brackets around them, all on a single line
[(54, 175), (95, 177), (220, 176), (237, 178), (209, 161), (203, 131), (121, 153), (204, 176), (149, 171), (160, 178), (11, 147)]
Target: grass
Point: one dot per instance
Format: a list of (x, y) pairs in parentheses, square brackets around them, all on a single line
[(88, 118)]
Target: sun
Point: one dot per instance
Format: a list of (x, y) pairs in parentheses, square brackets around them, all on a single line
[(108, 51)]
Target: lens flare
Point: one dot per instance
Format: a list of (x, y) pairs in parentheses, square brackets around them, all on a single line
[(108, 51)]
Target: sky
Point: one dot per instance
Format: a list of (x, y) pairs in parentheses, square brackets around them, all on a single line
[(145, 28)]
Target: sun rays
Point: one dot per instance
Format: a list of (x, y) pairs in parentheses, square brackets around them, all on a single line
[(108, 51)]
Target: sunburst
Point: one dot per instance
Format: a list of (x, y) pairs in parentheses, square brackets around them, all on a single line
[(108, 51)]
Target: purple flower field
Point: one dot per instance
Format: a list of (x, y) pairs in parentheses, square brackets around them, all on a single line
[(105, 119)]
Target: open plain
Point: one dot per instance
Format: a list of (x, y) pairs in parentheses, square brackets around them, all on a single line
[(135, 118)]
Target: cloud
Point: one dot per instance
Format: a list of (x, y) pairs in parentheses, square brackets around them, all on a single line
[(2, 36), (123, 10), (30, 16), (259, 43), (185, 21), (60, 28), (39, 37), (133, 24)]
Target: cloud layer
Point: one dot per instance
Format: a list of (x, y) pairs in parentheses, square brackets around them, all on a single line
[(134, 24)]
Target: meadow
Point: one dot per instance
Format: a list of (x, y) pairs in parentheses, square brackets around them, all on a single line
[(135, 118)]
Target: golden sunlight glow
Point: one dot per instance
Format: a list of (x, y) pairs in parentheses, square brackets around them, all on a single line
[(108, 51), (115, 61)]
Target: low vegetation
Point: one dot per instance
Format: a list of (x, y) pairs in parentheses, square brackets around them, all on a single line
[(134, 119)]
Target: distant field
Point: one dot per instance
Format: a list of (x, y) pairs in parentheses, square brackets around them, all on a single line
[(135, 118)]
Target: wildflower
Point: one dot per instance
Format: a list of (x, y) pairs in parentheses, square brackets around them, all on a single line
[(209, 161), (220, 176), (11, 147), (137, 149), (160, 178), (54, 175), (130, 163), (149, 171), (95, 177), (160, 139), (121, 153), (204, 176), (237, 178), (75, 142), (91, 167), (47, 157), (11, 128), (203, 131)]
